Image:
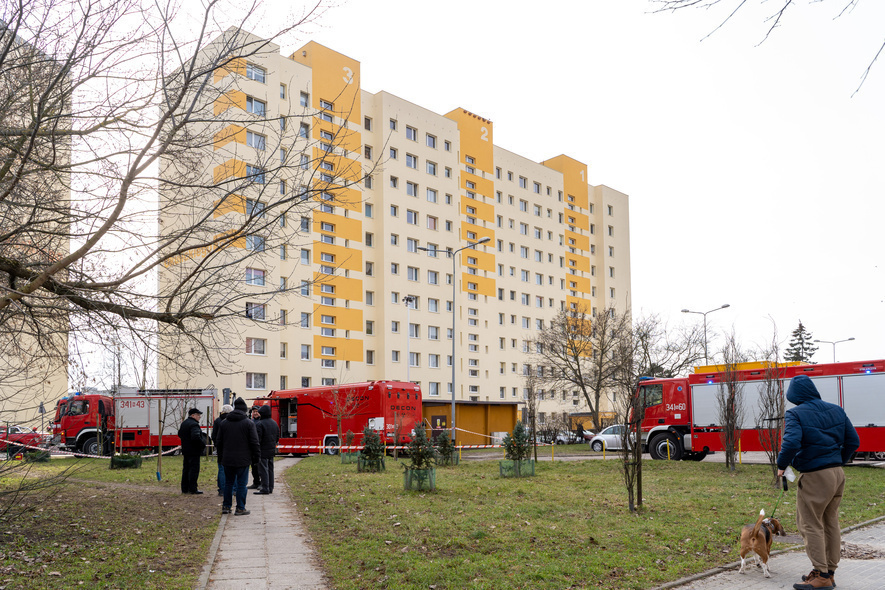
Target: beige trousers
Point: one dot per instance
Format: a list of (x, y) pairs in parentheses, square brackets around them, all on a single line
[(817, 516)]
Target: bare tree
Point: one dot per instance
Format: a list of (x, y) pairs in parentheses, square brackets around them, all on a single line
[(770, 411), (729, 399), (773, 21), (344, 405), (581, 351), (106, 100), (530, 409)]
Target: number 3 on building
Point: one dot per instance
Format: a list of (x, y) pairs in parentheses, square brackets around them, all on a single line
[(484, 133), (348, 75)]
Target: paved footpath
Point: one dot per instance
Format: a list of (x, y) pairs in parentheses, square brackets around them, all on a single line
[(787, 568), (267, 549)]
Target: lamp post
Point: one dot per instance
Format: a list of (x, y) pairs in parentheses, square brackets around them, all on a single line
[(834, 343), (408, 300), (704, 313), (451, 253)]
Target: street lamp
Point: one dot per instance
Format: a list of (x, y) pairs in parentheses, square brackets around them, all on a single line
[(834, 344), (409, 300), (451, 253), (704, 313)]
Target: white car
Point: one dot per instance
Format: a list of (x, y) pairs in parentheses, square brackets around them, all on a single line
[(611, 437)]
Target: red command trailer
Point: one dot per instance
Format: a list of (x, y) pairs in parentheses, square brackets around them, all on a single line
[(308, 417), (682, 414)]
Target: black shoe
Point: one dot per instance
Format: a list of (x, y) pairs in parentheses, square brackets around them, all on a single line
[(242, 512), (225, 510), (197, 492), (261, 493), (254, 486)]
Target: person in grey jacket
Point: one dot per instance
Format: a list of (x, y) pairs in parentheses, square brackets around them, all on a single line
[(818, 439), (237, 449), (268, 436)]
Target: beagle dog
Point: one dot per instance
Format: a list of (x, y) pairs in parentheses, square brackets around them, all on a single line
[(757, 539)]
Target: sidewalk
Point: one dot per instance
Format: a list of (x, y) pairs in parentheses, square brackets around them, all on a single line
[(266, 549), (787, 568)]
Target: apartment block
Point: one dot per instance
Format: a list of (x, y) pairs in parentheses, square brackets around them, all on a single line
[(369, 285)]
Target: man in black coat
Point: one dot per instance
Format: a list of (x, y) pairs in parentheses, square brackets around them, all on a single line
[(237, 450), (256, 467), (225, 410), (192, 446), (268, 437)]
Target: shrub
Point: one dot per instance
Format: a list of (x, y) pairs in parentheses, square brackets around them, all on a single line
[(445, 449)]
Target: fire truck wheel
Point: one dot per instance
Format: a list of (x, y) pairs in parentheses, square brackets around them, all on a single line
[(879, 456), (15, 450), (331, 444), (90, 446), (657, 448)]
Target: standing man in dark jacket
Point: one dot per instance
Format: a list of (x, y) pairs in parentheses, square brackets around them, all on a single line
[(237, 450), (256, 468), (268, 436), (818, 439), (225, 410), (192, 446)]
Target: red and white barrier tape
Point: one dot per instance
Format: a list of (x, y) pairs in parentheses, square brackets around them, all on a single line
[(77, 453)]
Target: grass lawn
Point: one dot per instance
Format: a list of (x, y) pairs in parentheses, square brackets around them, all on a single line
[(567, 527), (106, 528)]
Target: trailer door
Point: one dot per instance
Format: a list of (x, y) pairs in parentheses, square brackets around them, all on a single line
[(863, 395)]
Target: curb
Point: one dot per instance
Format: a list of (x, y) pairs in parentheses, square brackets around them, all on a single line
[(213, 552), (723, 568)]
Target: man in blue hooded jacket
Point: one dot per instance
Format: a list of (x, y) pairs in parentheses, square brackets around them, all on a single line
[(818, 439)]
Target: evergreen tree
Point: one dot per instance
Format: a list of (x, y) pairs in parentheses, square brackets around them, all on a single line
[(518, 447), (373, 450), (421, 450), (801, 347), (445, 449)]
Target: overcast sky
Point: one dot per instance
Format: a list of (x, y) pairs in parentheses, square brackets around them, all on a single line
[(755, 177)]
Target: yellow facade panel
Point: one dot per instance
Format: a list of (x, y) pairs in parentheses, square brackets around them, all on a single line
[(345, 168), (484, 211), (482, 186), (229, 100), (484, 285), (576, 283), (336, 79), (345, 258), (575, 262), (233, 168), (343, 137), (578, 220), (346, 318), (481, 232), (235, 66), (348, 198), (232, 203), (576, 240), (347, 228), (476, 135), (345, 288), (574, 178), (230, 133), (484, 260), (346, 349)]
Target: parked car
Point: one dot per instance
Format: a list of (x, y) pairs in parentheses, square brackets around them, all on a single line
[(588, 434), (17, 436), (566, 437), (612, 437)]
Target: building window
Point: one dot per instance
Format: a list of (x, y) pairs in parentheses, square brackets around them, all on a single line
[(411, 217), (305, 352), (393, 153), (393, 124), (255, 106), (256, 380), (411, 161), (411, 189), (305, 319), (370, 357), (412, 273), (370, 327), (367, 123), (431, 141), (256, 140), (431, 168), (256, 73), (256, 346), (255, 243), (255, 174), (255, 276), (305, 256)]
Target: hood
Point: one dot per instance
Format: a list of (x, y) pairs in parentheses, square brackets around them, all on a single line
[(264, 412), (236, 416), (801, 390)]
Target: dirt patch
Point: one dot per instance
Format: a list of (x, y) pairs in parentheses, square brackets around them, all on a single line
[(852, 551), (107, 535)]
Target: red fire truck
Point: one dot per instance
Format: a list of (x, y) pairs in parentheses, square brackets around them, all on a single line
[(682, 414), (129, 421), (308, 417)]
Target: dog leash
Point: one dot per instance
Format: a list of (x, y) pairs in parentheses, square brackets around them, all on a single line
[(783, 479)]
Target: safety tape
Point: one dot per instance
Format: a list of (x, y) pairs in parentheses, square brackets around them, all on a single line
[(79, 454)]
